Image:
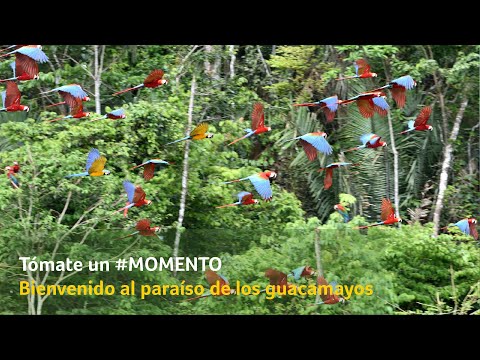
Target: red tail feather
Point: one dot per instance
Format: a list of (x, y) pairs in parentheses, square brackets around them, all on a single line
[(127, 90), (60, 103), (224, 206), (351, 149)]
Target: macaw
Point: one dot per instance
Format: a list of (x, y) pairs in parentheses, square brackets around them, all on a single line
[(113, 115), (143, 228), (149, 167), (302, 271), (467, 226), (212, 279), (136, 197), (388, 215), (420, 123), (328, 105), (76, 112), (199, 133), (244, 198), (15, 167), (398, 88), (70, 94), (278, 278), (95, 165), (26, 62), (370, 141), (327, 294), (153, 80), (327, 182), (362, 71), (311, 142), (258, 123), (261, 183), (342, 211), (11, 98), (10, 175), (370, 102)]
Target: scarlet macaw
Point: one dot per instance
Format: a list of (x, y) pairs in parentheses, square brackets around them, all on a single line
[(212, 279), (258, 123), (302, 271), (327, 182), (388, 215), (311, 142), (199, 133), (327, 294), (398, 88), (362, 71), (136, 197), (70, 94), (278, 278), (11, 98), (15, 167), (153, 80), (10, 175), (467, 226), (370, 141), (149, 167), (328, 105), (420, 123), (26, 62), (244, 198), (370, 102), (76, 112), (143, 228), (342, 211), (261, 182), (95, 165)]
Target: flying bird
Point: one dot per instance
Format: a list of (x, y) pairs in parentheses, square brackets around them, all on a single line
[(258, 123), (136, 197), (362, 71), (199, 133), (26, 62), (313, 142), (328, 105), (11, 98), (420, 123), (244, 198), (398, 88), (342, 211), (279, 279), (302, 271), (261, 183), (327, 292), (76, 112), (95, 165), (15, 167), (212, 279), (149, 167), (388, 215), (11, 177), (369, 141), (153, 80), (143, 228), (327, 182), (70, 94), (468, 226), (370, 102)]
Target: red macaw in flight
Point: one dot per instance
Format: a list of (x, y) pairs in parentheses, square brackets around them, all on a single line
[(70, 94), (11, 177), (362, 71), (369, 141), (15, 167), (26, 62), (468, 226), (398, 88), (261, 183), (258, 123), (313, 142), (244, 198), (11, 98), (149, 167), (327, 294), (328, 105), (328, 181), (420, 123), (302, 271), (136, 197), (342, 211), (113, 115), (212, 279), (153, 80), (278, 278), (370, 102), (95, 165), (388, 215), (144, 229), (199, 133)]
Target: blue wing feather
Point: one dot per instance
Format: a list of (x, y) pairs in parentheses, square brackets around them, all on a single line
[(118, 112), (365, 138), (463, 226), (129, 189), (74, 90), (93, 155), (34, 53), (381, 103), (156, 161), (4, 96), (318, 143), (241, 194), (405, 81), (356, 68), (297, 273), (411, 124), (262, 186), (12, 65), (331, 103)]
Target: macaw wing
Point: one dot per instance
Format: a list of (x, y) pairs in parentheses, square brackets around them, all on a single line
[(463, 226), (411, 124), (33, 52), (276, 277), (319, 142), (297, 273), (148, 171), (73, 89), (25, 65), (473, 230), (212, 277), (340, 207), (328, 181), (262, 185), (13, 65), (118, 112), (98, 165), (423, 116), (154, 76), (245, 196), (405, 81), (143, 225), (399, 95), (380, 106), (331, 103), (139, 194), (13, 94), (77, 106), (130, 190), (361, 67), (4, 96), (200, 129), (309, 149), (324, 290), (365, 106), (69, 99), (365, 138), (258, 116), (93, 155), (387, 209)]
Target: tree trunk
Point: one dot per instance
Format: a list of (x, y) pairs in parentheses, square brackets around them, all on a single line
[(447, 159), (99, 53), (231, 50), (395, 167), (183, 198), (318, 258)]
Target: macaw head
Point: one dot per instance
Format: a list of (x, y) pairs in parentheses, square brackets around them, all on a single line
[(269, 128), (208, 135), (156, 229), (26, 108), (430, 127), (39, 47), (149, 202), (163, 81), (87, 114), (86, 98), (255, 201), (384, 144), (399, 220), (36, 77), (272, 175), (106, 172), (374, 74), (7, 168), (473, 220), (342, 300), (335, 207), (123, 116)]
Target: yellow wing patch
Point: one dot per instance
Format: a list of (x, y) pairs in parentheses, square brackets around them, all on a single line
[(97, 167), (200, 129)]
